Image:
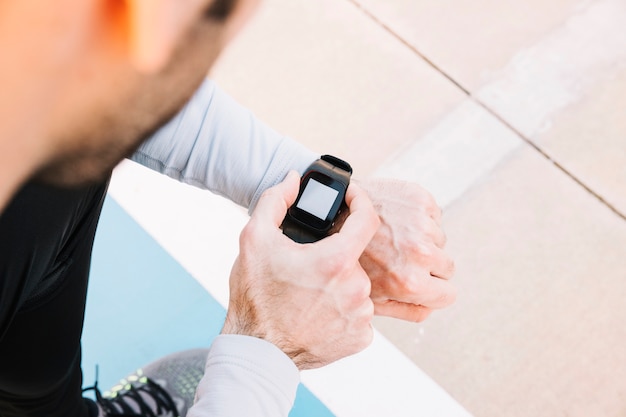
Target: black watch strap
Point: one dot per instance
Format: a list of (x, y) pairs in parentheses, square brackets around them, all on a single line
[(339, 166), (297, 233), (327, 163)]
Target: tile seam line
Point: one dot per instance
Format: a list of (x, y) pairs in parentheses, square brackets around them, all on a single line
[(371, 16), (469, 94), (547, 156)]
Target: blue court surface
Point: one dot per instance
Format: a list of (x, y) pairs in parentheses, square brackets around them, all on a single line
[(143, 305)]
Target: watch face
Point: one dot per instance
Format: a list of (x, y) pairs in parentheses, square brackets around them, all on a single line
[(318, 202), (317, 199)]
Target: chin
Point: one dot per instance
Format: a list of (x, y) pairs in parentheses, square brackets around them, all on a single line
[(72, 176), (84, 167)]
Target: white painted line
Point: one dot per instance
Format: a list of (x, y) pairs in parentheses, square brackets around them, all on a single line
[(467, 144), (201, 231)]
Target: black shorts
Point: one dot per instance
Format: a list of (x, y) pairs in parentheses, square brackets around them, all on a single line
[(46, 237)]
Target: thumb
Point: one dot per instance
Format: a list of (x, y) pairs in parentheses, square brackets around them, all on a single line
[(275, 201)]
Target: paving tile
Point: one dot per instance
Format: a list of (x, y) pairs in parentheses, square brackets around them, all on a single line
[(538, 328), (471, 39), (589, 140), (325, 73)]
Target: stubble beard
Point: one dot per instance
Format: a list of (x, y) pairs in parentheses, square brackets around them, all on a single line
[(103, 134)]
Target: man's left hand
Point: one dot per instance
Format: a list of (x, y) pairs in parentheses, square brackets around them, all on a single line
[(405, 260)]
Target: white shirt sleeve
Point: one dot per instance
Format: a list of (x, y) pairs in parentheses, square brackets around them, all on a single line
[(216, 144), (246, 376)]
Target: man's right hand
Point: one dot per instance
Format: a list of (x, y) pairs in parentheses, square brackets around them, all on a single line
[(312, 301)]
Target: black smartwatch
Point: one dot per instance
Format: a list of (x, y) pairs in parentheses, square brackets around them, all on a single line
[(320, 200)]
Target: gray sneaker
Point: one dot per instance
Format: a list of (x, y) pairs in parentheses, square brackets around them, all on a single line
[(164, 388)]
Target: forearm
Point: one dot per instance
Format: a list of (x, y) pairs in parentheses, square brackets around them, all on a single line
[(216, 144), (246, 376)]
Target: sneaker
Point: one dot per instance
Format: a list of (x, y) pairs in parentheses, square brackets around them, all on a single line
[(165, 388)]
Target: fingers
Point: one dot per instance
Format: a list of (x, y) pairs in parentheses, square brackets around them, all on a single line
[(442, 266), (435, 213), (435, 232), (361, 224), (275, 201), (363, 313), (428, 204), (425, 290), (364, 310), (357, 287), (435, 293), (402, 311)]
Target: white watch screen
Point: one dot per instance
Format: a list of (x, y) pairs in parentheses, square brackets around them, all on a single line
[(317, 199)]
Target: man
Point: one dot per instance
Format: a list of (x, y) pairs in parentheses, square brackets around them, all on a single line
[(84, 83)]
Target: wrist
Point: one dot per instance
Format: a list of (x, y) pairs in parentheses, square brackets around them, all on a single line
[(238, 327)]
